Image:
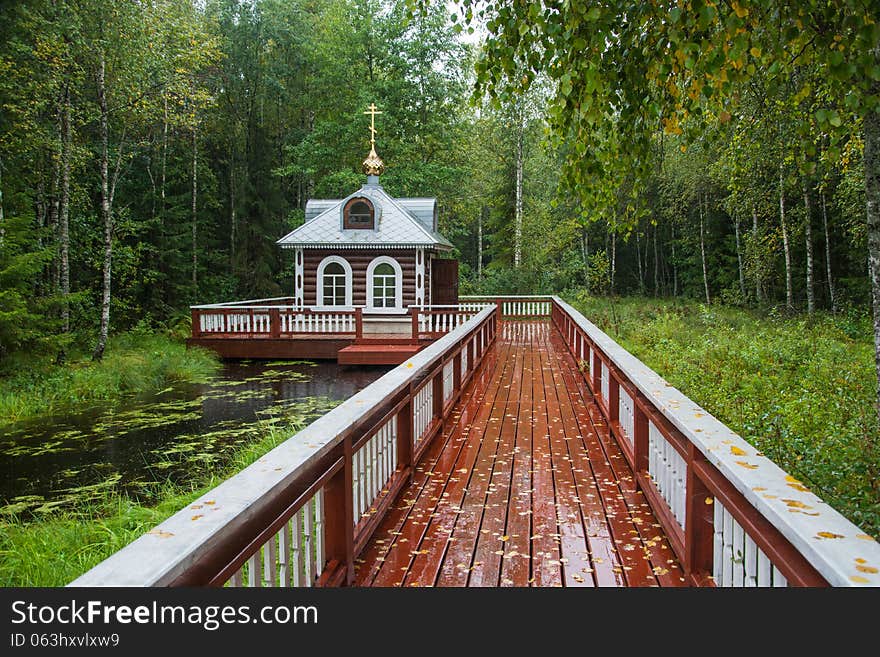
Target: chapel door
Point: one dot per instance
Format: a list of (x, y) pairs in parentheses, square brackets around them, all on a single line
[(444, 282)]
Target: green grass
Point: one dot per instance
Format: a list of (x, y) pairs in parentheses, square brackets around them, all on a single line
[(134, 362), (800, 389), (56, 549)]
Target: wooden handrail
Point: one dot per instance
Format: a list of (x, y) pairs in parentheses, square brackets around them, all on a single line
[(733, 517)]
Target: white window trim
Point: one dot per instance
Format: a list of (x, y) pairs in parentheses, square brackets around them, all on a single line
[(398, 285), (319, 300)]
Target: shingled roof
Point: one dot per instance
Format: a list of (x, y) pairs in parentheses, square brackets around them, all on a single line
[(397, 226)]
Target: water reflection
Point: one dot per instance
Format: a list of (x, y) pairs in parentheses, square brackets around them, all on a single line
[(179, 434)]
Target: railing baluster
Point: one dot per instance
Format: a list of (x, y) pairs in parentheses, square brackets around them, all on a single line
[(297, 549), (254, 576), (270, 561)]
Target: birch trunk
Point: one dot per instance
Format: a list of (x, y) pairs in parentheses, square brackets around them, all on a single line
[(808, 238), (674, 264), (613, 258), (831, 298), (64, 217), (195, 216), (106, 216), (703, 251), (789, 294), (739, 259), (758, 294), (232, 218), (656, 265), (518, 210), (639, 260), (585, 254), (483, 211)]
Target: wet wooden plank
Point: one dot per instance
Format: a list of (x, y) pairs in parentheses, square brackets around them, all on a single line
[(468, 524), (437, 536), (617, 537), (577, 567), (388, 553), (492, 537), (517, 559), (546, 567)]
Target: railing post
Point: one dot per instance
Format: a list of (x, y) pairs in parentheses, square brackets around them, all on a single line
[(196, 322), (698, 523), (405, 437), (275, 322), (358, 322), (597, 373), (640, 436), (415, 323), (338, 517)]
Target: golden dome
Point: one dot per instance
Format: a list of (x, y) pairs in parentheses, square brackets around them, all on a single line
[(373, 165)]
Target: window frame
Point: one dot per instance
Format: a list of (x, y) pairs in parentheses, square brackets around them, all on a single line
[(320, 272), (346, 214), (398, 284)]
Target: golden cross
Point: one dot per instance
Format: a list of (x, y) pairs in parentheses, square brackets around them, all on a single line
[(372, 111)]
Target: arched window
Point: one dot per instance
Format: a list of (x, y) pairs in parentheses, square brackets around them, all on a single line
[(334, 282), (384, 284), (358, 213)]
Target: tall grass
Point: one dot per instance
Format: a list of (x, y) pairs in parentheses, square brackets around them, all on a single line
[(137, 361), (800, 389), (58, 548)]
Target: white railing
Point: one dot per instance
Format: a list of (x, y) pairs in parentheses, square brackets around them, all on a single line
[(373, 465), (294, 556), (515, 305), (423, 411), (606, 384), (626, 414), (238, 320), (668, 470), (737, 559), (448, 371), (254, 322), (318, 322)]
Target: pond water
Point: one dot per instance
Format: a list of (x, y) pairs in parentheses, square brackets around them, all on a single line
[(182, 433)]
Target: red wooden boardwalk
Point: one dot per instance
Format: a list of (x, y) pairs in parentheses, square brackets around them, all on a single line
[(525, 487)]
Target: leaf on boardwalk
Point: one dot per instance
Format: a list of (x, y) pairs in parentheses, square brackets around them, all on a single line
[(828, 535), (161, 533)]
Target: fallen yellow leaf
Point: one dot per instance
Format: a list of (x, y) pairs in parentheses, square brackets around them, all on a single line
[(867, 569), (829, 535), (736, 451)]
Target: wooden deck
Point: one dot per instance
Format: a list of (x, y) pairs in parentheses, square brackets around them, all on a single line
[(525, 487)]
